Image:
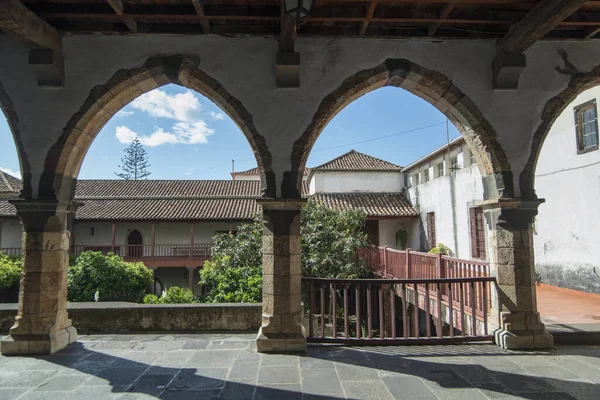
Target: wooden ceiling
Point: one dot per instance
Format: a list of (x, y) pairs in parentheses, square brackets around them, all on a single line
[(467, 19)]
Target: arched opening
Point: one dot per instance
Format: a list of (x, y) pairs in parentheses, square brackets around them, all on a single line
[(10, 186), (434, 88), (66, 156), (566, 166), (432, 199), (135, 244)]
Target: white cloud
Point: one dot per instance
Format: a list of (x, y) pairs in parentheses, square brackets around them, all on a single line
[(124, 113), (183, 132), (217, 115), (16, 174), (193, 132), (180, 106), (188, 172)]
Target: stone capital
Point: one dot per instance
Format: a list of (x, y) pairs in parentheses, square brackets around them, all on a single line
[(510, 214), (45, 215)]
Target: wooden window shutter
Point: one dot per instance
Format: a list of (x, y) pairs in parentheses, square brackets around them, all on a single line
[(473, 231), (480, 233)]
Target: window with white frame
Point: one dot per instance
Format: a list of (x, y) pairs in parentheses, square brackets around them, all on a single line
[(440, 169), (454, 164), (416, 179), (425, 175), (471, 158), (586, 127)]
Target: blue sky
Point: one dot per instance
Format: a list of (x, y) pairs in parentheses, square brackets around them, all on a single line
[(189, 137)]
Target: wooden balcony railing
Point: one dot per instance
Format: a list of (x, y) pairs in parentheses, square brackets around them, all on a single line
[(158, 252), (364, 311)]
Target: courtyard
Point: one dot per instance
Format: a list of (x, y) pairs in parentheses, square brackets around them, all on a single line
[(227, 366)]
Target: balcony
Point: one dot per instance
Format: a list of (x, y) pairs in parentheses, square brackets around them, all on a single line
[(159, 255)]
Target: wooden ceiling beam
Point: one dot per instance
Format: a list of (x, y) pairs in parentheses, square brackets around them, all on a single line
[(199, 6), (538, 22), (287, 60), (19, 21), (545, 16), (117, 6), (46, 58), (444, 14), (592, 32), (370, 12)]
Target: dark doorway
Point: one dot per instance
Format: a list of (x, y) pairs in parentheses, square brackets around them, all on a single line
[(371, 228), (134, 245)]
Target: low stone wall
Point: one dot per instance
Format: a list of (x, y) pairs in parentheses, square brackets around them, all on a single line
[(131, 317)]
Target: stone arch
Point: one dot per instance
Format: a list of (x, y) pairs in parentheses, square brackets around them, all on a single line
[(552, 110), (66, 155), (433, 87), (7, 108)]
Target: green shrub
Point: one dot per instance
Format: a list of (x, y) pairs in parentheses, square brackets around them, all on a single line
[(152, 299), (173, 295), (10, 270), (110, 276), (440, 249), (234, 272)]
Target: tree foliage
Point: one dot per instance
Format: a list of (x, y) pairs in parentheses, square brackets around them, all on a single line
[(110, 276), (173, 295), (330, 242), (10, 270), (234, 272), (134, 163)]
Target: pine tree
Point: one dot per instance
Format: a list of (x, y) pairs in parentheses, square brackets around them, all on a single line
[(135, 162)]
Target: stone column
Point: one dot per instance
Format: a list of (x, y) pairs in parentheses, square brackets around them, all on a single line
[(42, 325), (512, 261), (281, 329)]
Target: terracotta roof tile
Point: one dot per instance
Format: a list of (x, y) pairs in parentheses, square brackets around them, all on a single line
[(256, 171), (166, 189), (355, 161), (9, 184), (374, 204)]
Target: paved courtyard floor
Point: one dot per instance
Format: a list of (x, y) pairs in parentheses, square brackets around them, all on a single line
[(227, 366)]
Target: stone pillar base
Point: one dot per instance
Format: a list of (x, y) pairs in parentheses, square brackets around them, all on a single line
[(280, 342), (38, 344), (524, 340)]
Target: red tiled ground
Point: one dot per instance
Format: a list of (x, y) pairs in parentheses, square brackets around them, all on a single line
[(565, 306)]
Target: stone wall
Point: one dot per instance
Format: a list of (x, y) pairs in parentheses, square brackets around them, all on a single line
[(129, 317)]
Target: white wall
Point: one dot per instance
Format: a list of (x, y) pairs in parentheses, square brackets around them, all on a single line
[(165, 232), (450, 198), (568, 223), (344, 182), (388, 228), (240, 177), (10, 233)]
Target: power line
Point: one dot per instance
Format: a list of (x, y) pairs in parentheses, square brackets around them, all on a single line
[(382, 137), (208, 169)]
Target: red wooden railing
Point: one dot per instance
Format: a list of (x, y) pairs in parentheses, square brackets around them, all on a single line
[(410, 264), (140, 252), (364, 311)]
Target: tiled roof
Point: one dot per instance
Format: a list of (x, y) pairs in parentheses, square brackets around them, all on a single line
[(374, 204), (252, 171), (256, 171), (169, 210), (165, 189), (355, 161), (9, 184)]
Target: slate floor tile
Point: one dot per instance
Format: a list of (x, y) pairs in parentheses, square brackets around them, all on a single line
[(279, 374), (367, 390)]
